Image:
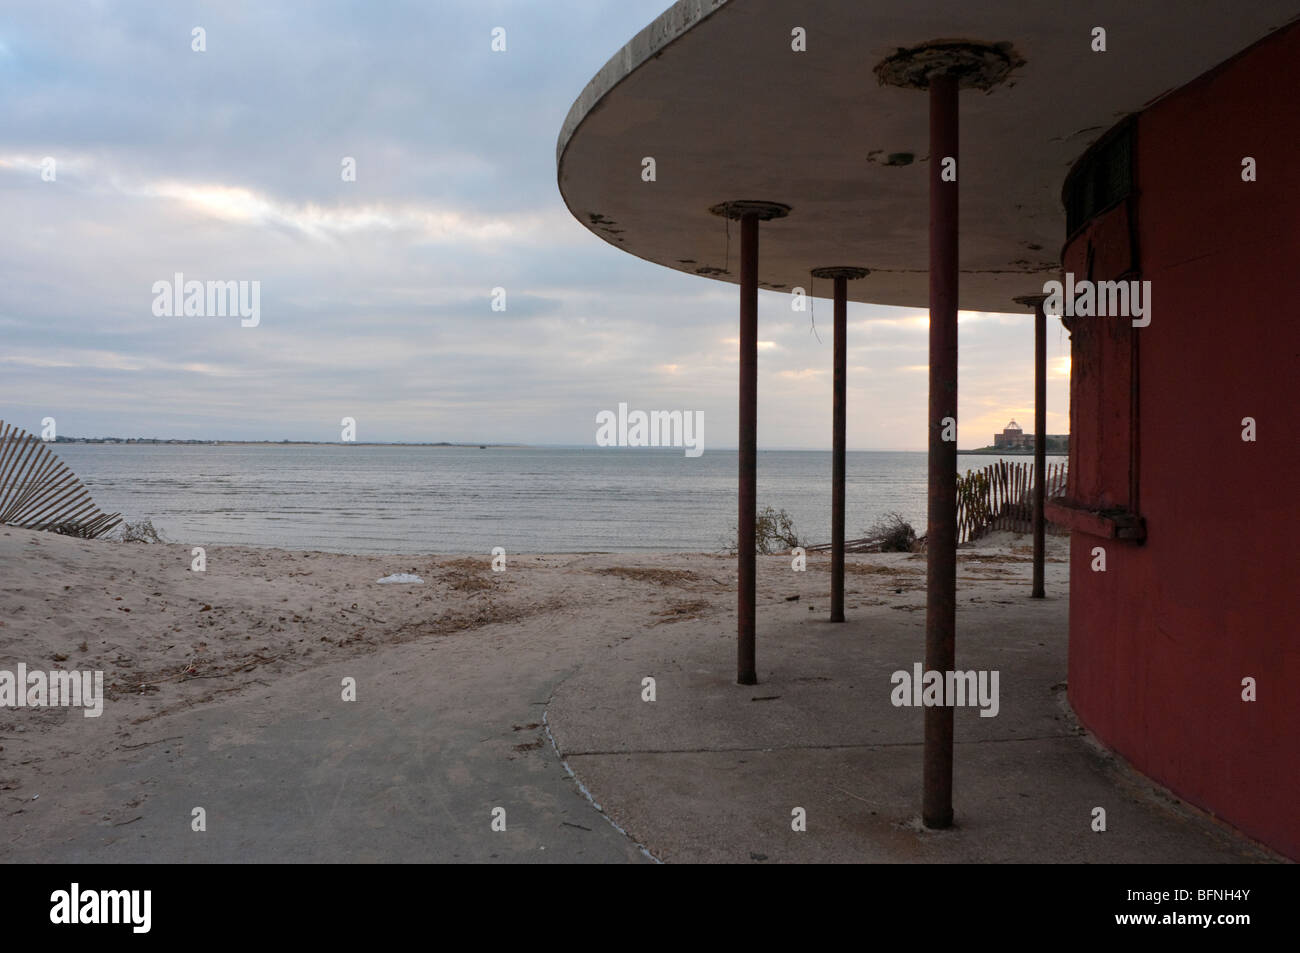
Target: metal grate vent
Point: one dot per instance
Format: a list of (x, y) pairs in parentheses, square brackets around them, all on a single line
[(1103, 177)]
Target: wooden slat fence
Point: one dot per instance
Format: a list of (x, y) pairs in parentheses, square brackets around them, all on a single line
[(39, 492), (1000, 497)]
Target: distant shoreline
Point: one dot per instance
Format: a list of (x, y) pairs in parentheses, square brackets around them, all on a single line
[(163, 442), (1011, 453), (177, 442)]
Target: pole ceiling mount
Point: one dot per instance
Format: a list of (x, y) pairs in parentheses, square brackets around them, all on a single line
[(841, 271), (738, 209), (1030, 301), (973, 65)]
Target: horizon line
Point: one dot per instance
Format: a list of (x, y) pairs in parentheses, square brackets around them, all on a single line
[(470, 444)]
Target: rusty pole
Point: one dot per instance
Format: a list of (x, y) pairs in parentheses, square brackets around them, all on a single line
[(1040, 446), (1039, 497), (943, 67), (941, 543), (746, 671), (749, 213), (838, 421), (841, 275)]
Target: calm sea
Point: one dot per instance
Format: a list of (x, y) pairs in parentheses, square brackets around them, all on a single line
[(359, 499)]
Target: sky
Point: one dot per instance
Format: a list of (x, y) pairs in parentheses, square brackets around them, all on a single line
[(376, 294)]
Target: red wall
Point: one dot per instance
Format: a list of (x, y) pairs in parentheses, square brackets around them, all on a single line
[(1160, 642)]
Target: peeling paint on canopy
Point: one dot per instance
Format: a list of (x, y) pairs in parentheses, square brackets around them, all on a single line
[(714, 93)]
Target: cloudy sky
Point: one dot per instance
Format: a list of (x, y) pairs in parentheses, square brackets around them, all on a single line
[(376, 294)]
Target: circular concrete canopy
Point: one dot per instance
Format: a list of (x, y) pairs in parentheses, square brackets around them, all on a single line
[(714, 93)]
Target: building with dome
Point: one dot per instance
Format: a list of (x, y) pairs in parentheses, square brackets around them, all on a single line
[(1013, 438)]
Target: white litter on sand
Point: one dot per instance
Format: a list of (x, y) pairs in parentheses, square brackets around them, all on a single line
[(402, 577)]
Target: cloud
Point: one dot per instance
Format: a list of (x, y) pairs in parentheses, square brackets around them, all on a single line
[(376, 294)]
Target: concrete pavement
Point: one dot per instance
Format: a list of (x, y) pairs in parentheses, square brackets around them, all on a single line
[(288, 772), (711, 771), (452, 724)]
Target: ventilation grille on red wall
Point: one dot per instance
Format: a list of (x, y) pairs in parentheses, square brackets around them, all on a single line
[(1101, 178)]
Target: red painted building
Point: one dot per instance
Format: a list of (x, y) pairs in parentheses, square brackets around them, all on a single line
[(1197, 521), (1184, 561)]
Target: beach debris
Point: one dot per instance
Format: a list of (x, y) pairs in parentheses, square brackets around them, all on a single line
[(895, 533), (891, 533), (682, 610), (403, 577), (774, 533), (39, 492), (142, 531), (664, 577)]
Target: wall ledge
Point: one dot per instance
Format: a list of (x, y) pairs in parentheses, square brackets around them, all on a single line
[(1111, 523)]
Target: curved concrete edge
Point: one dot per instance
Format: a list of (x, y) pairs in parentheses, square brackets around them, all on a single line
[(583, 790), (653, 40), (1149, 786)]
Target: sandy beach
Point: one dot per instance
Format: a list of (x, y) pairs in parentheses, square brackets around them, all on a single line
[(475, 689), (168, 638)]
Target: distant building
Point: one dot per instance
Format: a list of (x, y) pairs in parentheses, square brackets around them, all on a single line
[(1013, 438)]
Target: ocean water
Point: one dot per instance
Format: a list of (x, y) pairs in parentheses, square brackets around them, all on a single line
[(371, 499)]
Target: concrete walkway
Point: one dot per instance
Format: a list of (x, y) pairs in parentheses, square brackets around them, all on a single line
[(712, 771), (409, 772)]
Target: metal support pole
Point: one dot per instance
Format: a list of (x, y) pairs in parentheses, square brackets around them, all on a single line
[(746, 671), (837, 451), (1039, 495), (1040, 446), (941, 544), (841, 275), (749, 212)]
